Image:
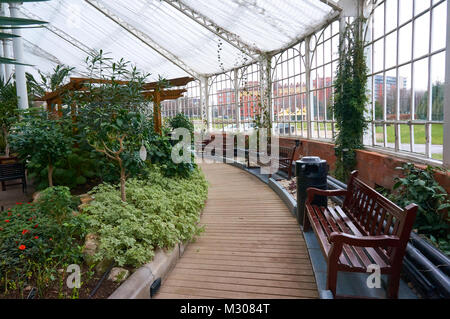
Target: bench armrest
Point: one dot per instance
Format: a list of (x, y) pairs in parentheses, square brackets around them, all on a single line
[(366, 241), (320, 192)]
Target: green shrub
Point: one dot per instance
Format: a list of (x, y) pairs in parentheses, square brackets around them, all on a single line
[(181, 121), (34, 244), (42, 140), (419, 186), (160, 212)]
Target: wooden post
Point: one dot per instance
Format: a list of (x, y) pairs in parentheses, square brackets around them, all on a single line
[(157, 111)]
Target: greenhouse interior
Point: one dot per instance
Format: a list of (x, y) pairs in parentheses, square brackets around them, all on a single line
[(233, 149)]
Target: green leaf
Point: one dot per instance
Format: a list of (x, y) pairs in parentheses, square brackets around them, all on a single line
[(19, 21), (11, 61), (444, 206), (8, 35)]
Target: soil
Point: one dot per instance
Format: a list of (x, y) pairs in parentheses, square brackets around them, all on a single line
[(54, 292)]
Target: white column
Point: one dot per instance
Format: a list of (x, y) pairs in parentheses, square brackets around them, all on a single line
[(21, 82), (309, 96), (206, 108), (237, 101), (447, 96), (266, 89), (369, 114), (6, 44), (2, 68)]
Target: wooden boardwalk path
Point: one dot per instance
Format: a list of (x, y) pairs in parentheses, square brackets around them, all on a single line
[(252, 246)]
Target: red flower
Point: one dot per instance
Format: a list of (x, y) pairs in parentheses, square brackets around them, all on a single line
[(36, 226), (18, 215), (22, 247), (51, 238), (18, 203), (7, 221), (31, 218), (36, 237), (25, 231), (1, 228), (9, 213)]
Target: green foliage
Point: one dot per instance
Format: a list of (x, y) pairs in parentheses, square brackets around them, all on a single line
[(56, 201), (9, 112), (112, 116), (159, 151), (33, 244), (350, 99), (81, 166), (41, 140), (11, 22), (420, 187), (160, 212), (48, 82), (181, 120)]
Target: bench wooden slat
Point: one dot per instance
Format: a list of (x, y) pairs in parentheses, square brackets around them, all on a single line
[(354, 261), (345, 229), (367, 229), (379, 260)]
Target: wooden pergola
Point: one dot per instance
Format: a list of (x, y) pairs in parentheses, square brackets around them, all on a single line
[(151, 90)]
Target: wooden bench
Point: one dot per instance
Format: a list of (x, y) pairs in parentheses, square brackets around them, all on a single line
[(287, 155), (368, 229), (10, 172)]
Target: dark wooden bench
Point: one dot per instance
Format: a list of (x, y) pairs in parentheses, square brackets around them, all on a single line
[(286, 157), (368, 229), (10, 172)]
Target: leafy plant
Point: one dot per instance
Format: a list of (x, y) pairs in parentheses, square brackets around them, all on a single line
[(181, 121), (11, 22), (9, 112), (34, 244), (350, 99), (49, 82), (420, 187), (41, 140), (56, 201), (112, 115), (160, 212)]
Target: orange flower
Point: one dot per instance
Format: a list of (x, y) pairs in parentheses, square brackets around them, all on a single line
[(22, 247)]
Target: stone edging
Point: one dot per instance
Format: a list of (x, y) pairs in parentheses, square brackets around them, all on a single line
[(290, 202), (137, 286)]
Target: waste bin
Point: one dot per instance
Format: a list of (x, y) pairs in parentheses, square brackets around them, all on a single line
[(311, 171)]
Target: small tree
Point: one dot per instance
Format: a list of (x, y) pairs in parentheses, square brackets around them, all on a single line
[(8, 110), (112, 114), (41, 140)]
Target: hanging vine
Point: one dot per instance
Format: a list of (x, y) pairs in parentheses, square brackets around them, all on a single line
[(350, 99)]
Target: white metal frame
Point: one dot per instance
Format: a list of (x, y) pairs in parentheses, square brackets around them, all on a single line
[(143, 37), (397, 123)]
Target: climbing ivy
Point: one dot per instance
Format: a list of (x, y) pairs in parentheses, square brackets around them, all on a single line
[(350, 98)]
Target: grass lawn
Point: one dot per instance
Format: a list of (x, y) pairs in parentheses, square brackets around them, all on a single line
[(437, 134)]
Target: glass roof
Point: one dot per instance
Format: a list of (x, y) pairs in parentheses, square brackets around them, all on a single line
[(76, 28)]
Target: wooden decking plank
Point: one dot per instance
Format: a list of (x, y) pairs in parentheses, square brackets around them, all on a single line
[(252, 246)]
